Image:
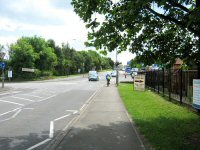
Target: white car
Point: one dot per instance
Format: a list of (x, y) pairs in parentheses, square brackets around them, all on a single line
[(114, 73), (93, 76)]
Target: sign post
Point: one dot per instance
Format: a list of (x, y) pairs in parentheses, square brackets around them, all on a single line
[(2, 65), (3, 76), (139, 82)]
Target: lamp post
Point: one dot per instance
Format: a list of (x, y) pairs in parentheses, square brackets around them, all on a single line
[(116, 67)]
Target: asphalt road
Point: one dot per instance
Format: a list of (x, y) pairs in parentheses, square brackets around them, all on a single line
[(33, 113)]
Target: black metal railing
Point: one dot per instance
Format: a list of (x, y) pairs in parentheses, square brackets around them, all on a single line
[(176, 84)]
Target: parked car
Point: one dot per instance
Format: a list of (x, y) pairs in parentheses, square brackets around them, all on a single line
[(93, 76), (114, 73)]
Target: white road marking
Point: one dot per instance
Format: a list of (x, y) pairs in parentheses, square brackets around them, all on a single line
[(29, 108), (5, 119), (51, 131), (25, 99), (11, 102), (16, 113), (13, 116), (73, 111), (37, 145), (6, 93), (10, 111), (46, 98), (62, 117), (33, 95)]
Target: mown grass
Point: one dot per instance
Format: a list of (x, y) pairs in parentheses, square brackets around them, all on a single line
[(165, 125)]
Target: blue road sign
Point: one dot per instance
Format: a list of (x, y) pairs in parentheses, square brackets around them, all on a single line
[(2, 65)]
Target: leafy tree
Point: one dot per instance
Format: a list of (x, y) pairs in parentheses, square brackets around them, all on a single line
[(22, 55), (1, 50), (87, 64), (160, 30), (96, 59), (47, 59)]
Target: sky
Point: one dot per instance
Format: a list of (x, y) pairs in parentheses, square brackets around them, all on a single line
[(49, 19)]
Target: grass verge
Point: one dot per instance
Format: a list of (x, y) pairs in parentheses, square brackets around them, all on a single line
[(165, 125)]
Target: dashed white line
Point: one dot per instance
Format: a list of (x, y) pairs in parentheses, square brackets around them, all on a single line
[(11, 102)]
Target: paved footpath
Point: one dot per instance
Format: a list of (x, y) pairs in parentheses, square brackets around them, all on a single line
[(104, 125)]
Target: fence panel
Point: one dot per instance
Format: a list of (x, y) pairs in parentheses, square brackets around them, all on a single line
[(176, 84)]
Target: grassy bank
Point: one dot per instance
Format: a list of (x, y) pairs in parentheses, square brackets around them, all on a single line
[(165, 125)]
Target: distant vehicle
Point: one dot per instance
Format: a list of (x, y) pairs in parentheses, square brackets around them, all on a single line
[(93, 76), (155, 67), (134, 72), (114, 73), (128, 70)]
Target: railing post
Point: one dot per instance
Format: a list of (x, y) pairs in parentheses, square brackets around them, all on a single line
[(154, 80), (163, 83), (169, 84), (158, 80), (181, 85)]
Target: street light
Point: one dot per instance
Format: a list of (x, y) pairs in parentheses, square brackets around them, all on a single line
[(116, 67)]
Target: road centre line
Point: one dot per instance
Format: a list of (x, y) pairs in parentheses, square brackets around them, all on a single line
[(22, 98), (11, 102), (37, 145)]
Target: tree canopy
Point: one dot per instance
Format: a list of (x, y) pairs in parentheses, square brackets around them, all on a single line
[(159, 30), (47, 58)]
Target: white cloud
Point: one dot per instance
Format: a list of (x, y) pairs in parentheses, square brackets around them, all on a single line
[(122, 57), (50, 19)]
